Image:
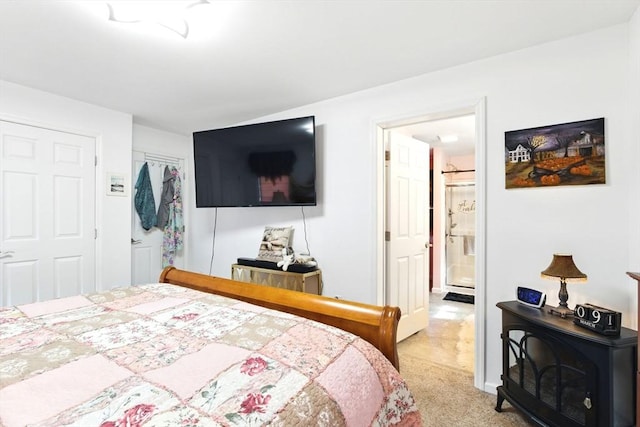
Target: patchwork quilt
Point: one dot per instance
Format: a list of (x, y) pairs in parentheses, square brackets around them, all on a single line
[(163, 355)]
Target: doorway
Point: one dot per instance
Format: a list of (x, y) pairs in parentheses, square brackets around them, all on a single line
[(476, 112), (146, 245), (48, 240)]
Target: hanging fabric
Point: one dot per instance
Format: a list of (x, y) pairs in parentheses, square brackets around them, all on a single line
[(166, 198), (144, 202), (172, 240)]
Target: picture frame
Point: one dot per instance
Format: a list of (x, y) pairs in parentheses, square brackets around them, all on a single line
[(116, 184), (562, 154), (274, 240)]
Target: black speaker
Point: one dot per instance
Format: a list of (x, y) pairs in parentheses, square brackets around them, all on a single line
[(293, 268)]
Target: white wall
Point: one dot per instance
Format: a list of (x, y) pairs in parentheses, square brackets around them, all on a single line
[(579, 78), (157, 141), (112, 130)]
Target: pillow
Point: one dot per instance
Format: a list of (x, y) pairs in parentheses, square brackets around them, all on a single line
[(274, 240)]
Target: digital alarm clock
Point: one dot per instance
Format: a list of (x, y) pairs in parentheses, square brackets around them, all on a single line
[(598, 319), (531, 297)]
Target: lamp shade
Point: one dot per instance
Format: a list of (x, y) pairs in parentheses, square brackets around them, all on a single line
[(562, 266)]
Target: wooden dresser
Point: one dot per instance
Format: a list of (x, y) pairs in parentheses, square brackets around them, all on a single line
[(310, 281), (637, 277)]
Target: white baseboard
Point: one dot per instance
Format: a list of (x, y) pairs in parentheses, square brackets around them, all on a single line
[(491, 388)]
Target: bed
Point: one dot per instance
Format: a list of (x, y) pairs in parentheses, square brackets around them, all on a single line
[(196, 350)]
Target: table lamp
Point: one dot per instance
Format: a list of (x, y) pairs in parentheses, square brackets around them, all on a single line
[(562, 267)]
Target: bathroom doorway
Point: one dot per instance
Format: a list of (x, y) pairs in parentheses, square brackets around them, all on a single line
[(475, 139), (452, 200), (452, 235)]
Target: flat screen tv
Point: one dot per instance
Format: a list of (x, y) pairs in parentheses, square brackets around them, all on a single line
[(262, 164)]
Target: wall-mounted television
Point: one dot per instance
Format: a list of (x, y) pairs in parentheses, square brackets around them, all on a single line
[(262, 164)]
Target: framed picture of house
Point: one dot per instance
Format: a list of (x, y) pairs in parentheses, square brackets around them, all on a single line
[(562, 154)]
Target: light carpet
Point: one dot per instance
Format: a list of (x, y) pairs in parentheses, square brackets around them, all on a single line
[(437, 364)]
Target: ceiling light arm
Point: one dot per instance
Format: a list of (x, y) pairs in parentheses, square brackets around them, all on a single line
[(181, 29)]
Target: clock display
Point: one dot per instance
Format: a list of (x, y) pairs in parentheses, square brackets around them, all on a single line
[(531, 297), (598, 319)]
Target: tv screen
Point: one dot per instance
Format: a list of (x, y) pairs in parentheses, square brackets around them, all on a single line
[(263, 164)]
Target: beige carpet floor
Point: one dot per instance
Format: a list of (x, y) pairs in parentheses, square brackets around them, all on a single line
[(437, 364)]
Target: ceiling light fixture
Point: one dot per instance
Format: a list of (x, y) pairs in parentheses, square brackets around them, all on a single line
[(171, 15), (448, 138)]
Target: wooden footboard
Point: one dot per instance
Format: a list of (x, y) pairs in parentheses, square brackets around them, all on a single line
[(377, 325)]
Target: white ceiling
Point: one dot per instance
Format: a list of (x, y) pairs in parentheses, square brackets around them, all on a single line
[(254, 58)]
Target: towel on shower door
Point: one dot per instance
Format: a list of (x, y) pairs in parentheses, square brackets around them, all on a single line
[(469, 245)]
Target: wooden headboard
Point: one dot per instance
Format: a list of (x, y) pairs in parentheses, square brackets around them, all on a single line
[(377, 325)]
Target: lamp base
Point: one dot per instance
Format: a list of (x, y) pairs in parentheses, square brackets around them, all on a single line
[(561, 311)]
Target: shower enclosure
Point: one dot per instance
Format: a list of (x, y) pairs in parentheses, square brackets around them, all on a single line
[(460, 233)]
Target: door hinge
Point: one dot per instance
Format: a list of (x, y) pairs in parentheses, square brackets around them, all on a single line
[(387, 236), (95, 233), (387, 155), (95, 162)]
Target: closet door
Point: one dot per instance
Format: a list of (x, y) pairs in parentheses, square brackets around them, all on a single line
[(146, 245), (47, 214)]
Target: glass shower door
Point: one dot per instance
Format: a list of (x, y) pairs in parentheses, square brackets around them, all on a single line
[(460, 205)]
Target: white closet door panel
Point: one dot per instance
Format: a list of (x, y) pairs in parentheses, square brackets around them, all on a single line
[(67, 200), (20, 282), (145, 265), (19, 201), (68, 276)]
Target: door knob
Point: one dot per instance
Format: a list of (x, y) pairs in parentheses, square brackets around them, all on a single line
[(4, 254)]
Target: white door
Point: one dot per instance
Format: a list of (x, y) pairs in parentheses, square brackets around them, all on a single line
[(47, 208), (146, 249), (408, 231)]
